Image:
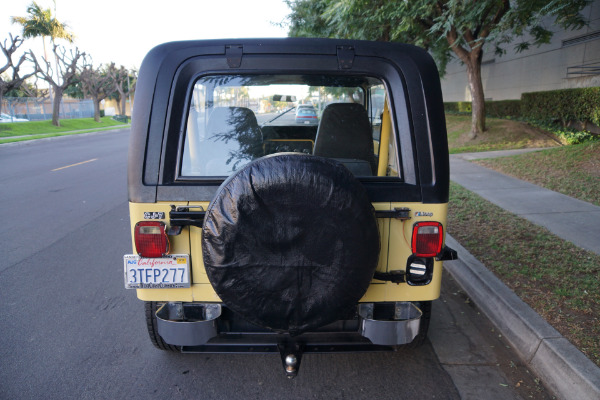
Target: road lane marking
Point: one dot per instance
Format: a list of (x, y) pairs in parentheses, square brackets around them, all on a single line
[(73, 165)]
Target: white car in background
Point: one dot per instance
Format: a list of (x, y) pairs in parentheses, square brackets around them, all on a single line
[(8, 118)]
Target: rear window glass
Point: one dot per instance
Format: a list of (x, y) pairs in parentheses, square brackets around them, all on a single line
[(234, 119)]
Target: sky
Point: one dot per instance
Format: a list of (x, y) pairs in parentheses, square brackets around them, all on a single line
[(123, 31)]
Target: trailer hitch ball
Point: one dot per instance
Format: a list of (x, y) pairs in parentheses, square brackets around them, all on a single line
[(291, 355), (291, 362)]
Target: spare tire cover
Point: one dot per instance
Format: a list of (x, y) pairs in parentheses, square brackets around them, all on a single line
[(290, 242)]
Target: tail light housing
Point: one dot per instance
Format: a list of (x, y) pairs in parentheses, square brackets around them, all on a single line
[(427, 239), (151, 239)]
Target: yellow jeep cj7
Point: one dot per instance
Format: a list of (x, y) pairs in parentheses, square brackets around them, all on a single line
[(287, 196)]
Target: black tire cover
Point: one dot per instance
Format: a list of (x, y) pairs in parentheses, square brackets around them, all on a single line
[(290, 242)]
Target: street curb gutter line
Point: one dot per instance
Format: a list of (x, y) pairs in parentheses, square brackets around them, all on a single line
[(560, 365), (59, 136)]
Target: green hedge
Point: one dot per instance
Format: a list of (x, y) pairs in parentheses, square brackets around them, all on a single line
[(545, 110), (121, 118), (454, 107), (555, 105), (563, 105), (496, 109), (503, 108)]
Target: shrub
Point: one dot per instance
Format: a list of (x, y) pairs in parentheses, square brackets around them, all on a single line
[(451, 107), (121, 118), (464, 106), (567, 135), (495, 109), (545, 109), (457, 107), (503, 108), (563, 105)]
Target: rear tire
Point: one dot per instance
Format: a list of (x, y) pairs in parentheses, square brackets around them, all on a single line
[(150, 310), (425, 307)]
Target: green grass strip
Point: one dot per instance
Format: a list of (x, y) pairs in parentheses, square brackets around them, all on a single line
[(556, 278), (23, 131), (571, 170), (46, 127), (49, 135)]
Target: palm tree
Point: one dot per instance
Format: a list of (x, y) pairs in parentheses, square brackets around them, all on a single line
[(40, 22)]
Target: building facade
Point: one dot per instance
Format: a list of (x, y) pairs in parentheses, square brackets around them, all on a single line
[(570, 60)]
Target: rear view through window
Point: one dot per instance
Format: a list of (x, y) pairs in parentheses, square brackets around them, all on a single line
[(235, 119)]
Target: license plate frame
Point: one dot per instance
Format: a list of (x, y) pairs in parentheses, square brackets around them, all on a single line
[(169, 272)]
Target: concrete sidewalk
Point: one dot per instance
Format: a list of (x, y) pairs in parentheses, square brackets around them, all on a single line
[(568, 218), (553, 358)]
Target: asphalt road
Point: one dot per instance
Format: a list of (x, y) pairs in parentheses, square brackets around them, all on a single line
[(69, 330)]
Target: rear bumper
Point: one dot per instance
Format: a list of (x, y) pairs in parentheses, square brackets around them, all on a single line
[(212, 328)]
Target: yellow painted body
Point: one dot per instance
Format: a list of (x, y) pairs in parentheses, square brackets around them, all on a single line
[(395, 238)]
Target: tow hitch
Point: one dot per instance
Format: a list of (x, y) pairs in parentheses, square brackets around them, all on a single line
[(291, 355), (210, 328)]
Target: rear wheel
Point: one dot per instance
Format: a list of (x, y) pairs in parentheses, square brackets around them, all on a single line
[(150, 309)]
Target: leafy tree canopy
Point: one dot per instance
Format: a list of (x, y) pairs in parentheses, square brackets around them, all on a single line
[(444, 27)]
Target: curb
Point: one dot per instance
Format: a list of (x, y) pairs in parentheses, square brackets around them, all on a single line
[(497, 153), (564, 369)]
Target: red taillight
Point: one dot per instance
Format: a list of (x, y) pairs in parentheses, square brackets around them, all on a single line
[(427, 239), (151, 240)]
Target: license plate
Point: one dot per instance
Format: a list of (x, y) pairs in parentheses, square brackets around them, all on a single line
[(168, 272)]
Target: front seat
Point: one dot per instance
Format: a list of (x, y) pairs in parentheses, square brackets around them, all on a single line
[(233, 138), (344, 134)]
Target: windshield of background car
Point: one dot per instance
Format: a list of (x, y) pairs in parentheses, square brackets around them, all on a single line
[(234, 119)]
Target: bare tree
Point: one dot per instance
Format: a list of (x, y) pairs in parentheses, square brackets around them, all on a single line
[(14, 79), (98, 84), (67, 64), (124, 84)]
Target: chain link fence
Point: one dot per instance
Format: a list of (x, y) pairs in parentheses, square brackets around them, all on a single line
[(39, 109)]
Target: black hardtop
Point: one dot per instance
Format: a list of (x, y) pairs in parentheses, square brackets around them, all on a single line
[(170, 70)]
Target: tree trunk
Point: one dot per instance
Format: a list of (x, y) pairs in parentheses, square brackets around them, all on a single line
[(124, 106), (472, 59), (49, 84), (123, 102), (97, 109), (58, 94), (477, 96)]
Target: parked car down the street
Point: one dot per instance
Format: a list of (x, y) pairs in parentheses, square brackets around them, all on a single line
[(306, 115), (8, 118)]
